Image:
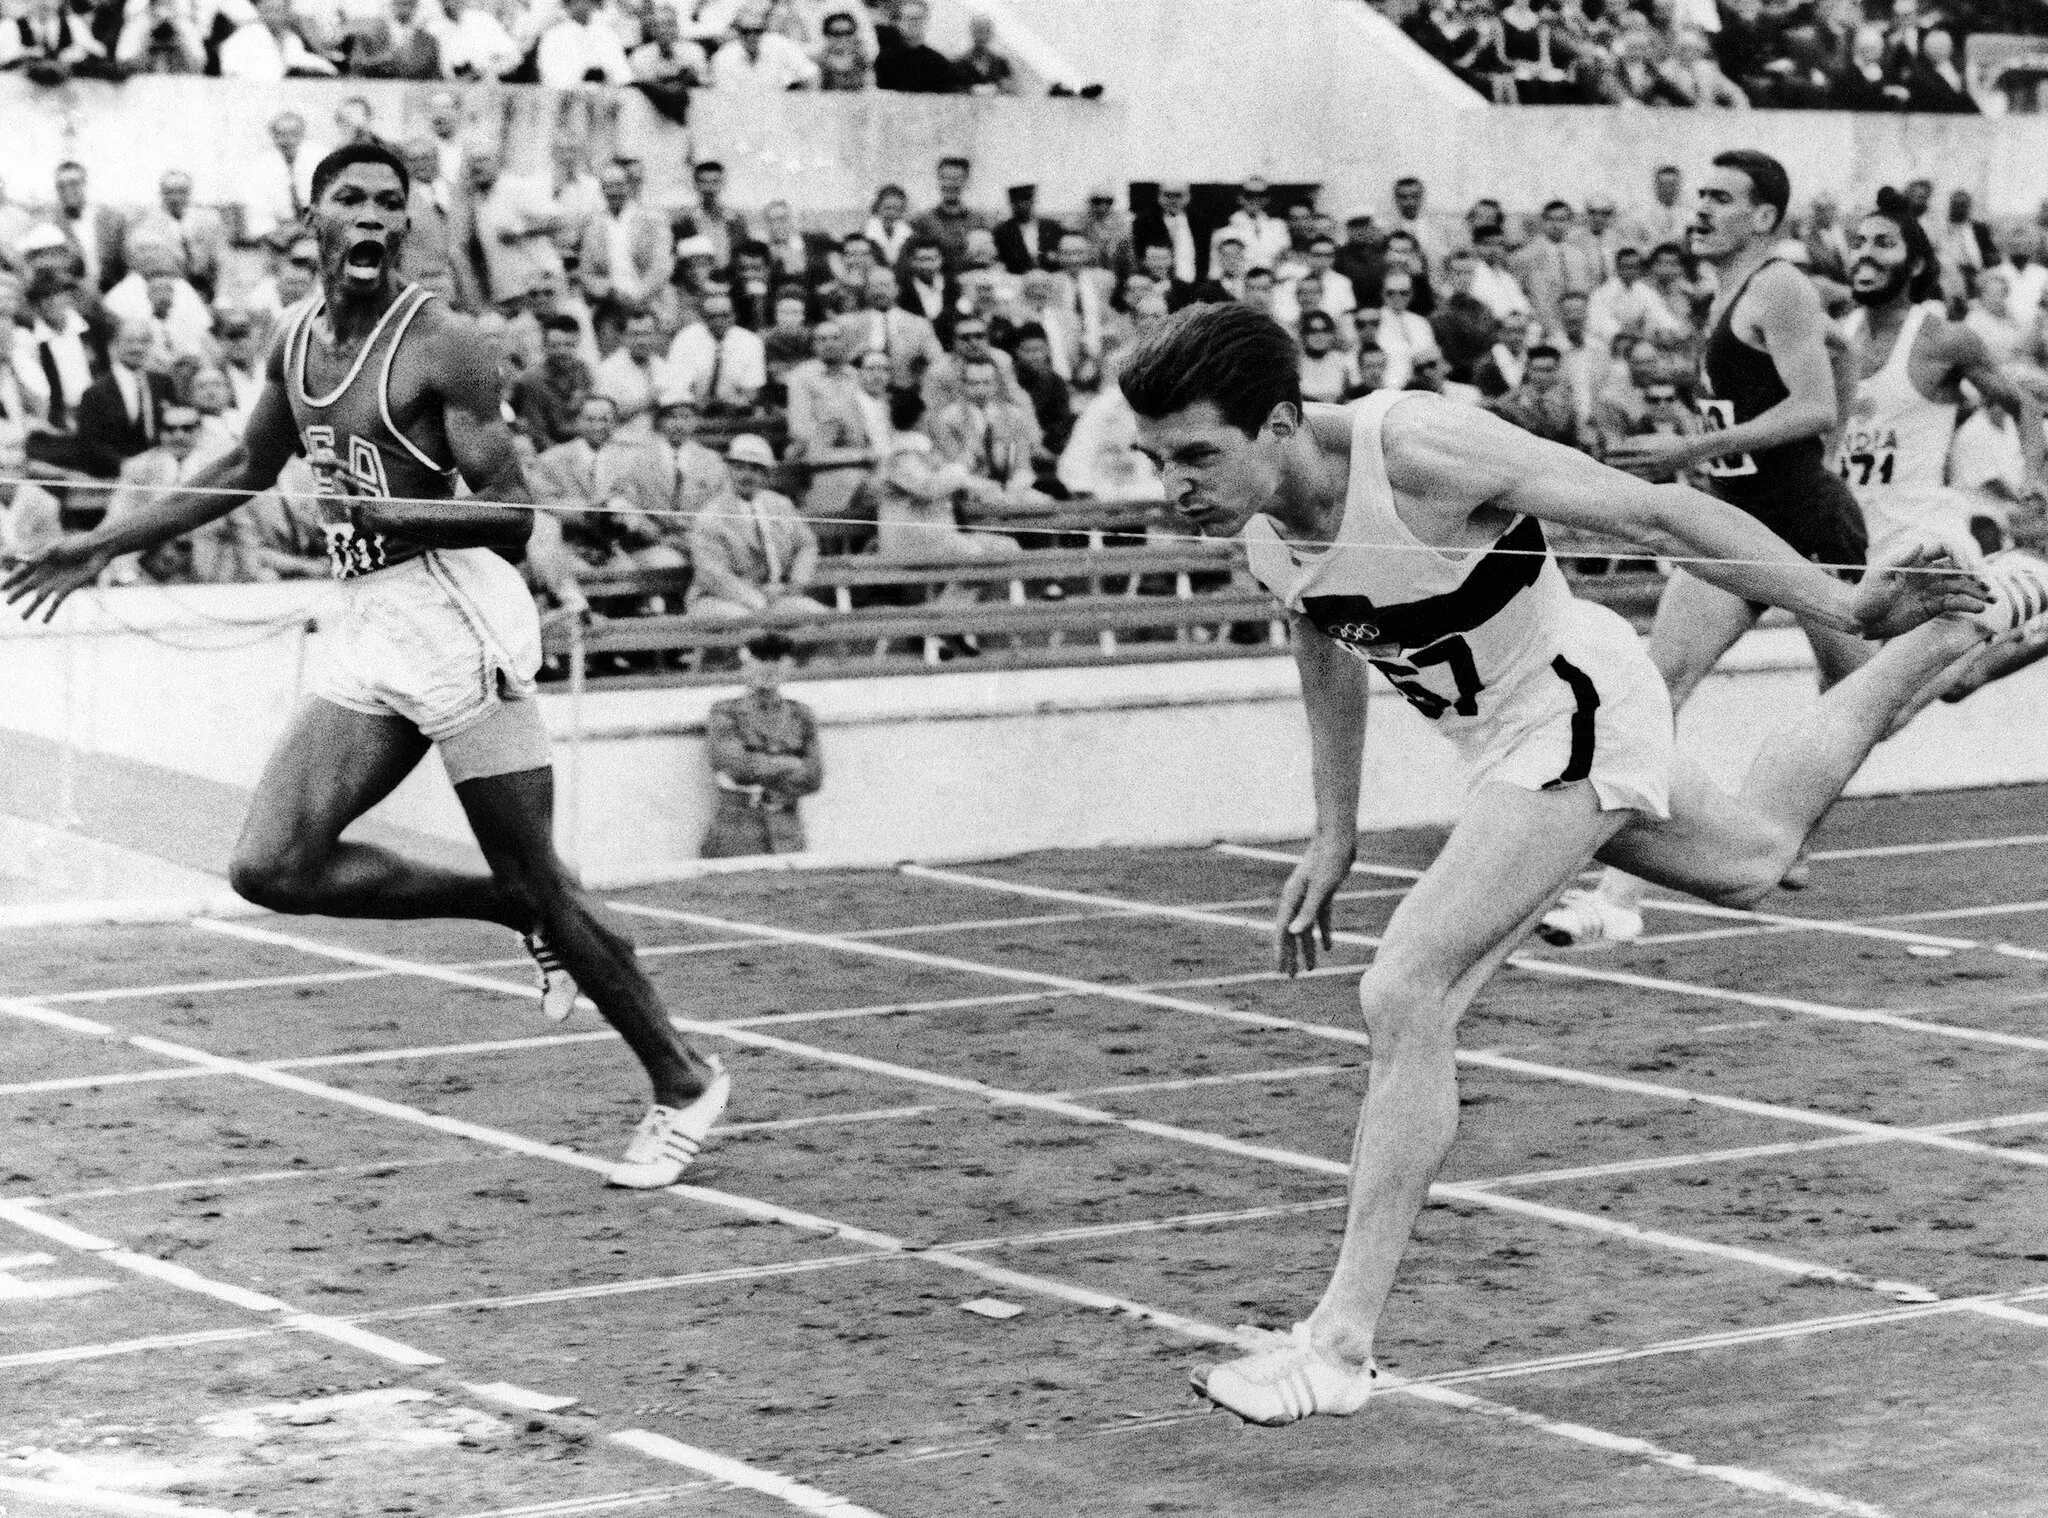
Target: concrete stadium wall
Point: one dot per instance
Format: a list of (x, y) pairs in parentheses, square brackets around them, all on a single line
[(1322, 91), (201, 681)]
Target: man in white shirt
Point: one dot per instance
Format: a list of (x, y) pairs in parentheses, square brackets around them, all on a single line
[(1491, 280), (1665, 219), (195, 234), (760, 60), (1339, 299), (716, 362), (474, 45), (1404, 337), (626, 254), (516, 222), (1626, 303), (279, 184), (270, 48), (635, 377), (1410, 197), (155, 294), (1601, 237), (1264, 236), (580, 49), (444, 120)]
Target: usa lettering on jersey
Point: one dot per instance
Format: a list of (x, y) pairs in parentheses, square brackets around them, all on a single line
[(361, 476)]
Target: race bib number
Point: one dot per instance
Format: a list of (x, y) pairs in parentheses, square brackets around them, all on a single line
[(1414, 678), (1717, 415), (351, 552), (1869, 457)]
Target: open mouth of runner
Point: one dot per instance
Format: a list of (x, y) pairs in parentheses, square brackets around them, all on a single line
[(363, 263), (1869, 276)]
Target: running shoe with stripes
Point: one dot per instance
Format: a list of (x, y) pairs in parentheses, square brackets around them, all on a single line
[(1585, 917), (1287, 1382), (668, 1138), (557, 986), (2019, 586)]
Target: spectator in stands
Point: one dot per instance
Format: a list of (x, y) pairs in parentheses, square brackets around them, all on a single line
[(241, 360), (1464, 325), (1371, 364), (1681, 297), (1403, 253), (636, 376), (161, 37), (1827, 247), (279, 184), (926, 288), (1083, 297), (49, 44), (1108, 230), (717, 363), (1264, 237), (1230, 266), (1500, 369), (888, 227), (668, 66), (1402, 335), (95, 232), (516, 223), (1963, 244), (1101, 458), (1622, 407), (626, 252), (1666, 219), (1026, 240), (711, 218), (1582, 361), (993, 439), (2001, 329), (1864, 83), (1935, 84), (831, 431), (763, 749), (942, 381), (1327, 373), (581, 48), (843, 62), (195, 233), (1624, 303), (760, 60), (1552, 263), (213, 398), (699, 473), (474, 46), (154, 295), (1492, 280), (912, 65), (903, 336), (794, 257), (603, 487), (549, 397), (120, 414), (949, 222), (1694, 78), (169, 461), (269, 47), (292, 275), (1431, 246), (1156, 264), (399, 44), (1167, 225), (1541, 401), (981, 70), (1052, 403), (752, 553), (179, 337)]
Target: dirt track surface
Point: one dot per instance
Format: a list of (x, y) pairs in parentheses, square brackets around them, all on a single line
[(845, 1362)]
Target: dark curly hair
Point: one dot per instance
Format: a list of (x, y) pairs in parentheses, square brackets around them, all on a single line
[(1239, 360)]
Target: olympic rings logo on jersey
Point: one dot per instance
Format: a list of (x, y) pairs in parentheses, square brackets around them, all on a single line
[(361, 476), (1355, 632)]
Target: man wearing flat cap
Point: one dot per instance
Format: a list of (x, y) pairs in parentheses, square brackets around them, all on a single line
[(1026, 240)]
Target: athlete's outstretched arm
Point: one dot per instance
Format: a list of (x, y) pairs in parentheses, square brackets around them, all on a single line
[(1795, 328), (1333, 691), (44, 581), (1474, 462), (464, 373)]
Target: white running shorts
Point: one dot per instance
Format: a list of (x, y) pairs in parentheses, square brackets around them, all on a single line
[(1601, 713), (441, 640)]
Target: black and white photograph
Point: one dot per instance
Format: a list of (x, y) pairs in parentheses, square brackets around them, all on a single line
[(1049, 758)]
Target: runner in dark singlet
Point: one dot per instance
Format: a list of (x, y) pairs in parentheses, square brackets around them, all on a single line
[(394, 402), (1769, 396)]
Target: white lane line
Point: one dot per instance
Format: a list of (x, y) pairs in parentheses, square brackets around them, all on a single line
[(1567, 970), (94, 1082), (1945, 846), (807, 1499), (222, 1182), (1074, 1111), (606, 1502), (99, 1499), (183, 1278), (1013, 1280), (1801, 1115)]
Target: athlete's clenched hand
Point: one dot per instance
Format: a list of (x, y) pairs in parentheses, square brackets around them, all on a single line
[(44, 581), (1915, 583), (1308, 899)]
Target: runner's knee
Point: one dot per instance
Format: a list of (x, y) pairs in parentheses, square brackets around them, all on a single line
[(1403, 1001), (282, 880)]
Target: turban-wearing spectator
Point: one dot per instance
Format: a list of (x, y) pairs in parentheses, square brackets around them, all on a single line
[(751, 551), (581, 48), (271, 47), (763, 749), (602, 487)]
